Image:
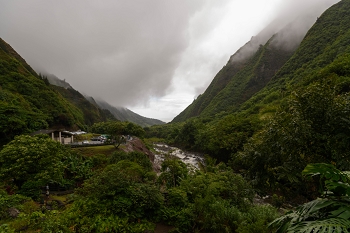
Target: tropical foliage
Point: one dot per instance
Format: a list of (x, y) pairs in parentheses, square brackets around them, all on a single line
[(29, 163), (117, 130), (312, 127), (330, 214), (125, 195)]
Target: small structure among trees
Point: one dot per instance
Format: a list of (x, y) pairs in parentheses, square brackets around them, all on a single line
[(62, 136), (117, 130)]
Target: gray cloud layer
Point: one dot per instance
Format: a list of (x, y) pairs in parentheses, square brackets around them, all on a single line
[(126, 51), (123, 51)]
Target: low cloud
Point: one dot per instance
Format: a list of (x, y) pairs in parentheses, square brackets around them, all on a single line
[(122, 51), (134, 53), (290, 24)]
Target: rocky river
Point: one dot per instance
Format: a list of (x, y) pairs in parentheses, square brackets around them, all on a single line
[(190, 158)]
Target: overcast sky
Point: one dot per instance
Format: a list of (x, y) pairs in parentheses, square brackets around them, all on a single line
[(151, 56)]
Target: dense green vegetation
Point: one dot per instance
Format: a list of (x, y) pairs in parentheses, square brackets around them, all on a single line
[(300, 117), (91, 113), (313, 126), (122, 193), (310, 126), (28, 163), (117, 130)]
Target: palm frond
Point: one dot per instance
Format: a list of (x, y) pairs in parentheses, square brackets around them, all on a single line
[(331, 225)]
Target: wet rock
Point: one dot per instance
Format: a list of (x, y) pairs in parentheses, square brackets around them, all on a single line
[(163, 150), (13, 212)]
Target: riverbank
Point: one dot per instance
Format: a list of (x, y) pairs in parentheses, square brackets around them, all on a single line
[(163, 150)]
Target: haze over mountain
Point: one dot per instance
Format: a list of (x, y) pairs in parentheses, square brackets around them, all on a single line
[(54, 80), (153, 57), (124, 114), (120, 113), (28, 102)]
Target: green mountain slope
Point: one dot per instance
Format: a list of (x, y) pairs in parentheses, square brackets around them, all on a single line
[(98, 110), (327, 41), (28, 102), (92, 113), (240, 79)]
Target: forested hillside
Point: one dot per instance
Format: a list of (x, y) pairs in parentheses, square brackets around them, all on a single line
[(28, 102), (246, 72), (325, 43), (92, 113), (98, 110)]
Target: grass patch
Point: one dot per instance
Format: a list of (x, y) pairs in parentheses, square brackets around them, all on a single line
[(60, 198), (93, 150)]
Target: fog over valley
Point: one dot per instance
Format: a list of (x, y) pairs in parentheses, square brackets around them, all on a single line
[(153, 57)]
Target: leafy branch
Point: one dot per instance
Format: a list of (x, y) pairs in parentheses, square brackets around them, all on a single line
[(330, 214)]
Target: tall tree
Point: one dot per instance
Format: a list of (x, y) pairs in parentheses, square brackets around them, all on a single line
[(313, 127), (38, 159)]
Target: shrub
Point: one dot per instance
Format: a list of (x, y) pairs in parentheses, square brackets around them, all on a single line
[(32, 189), (8, 201)]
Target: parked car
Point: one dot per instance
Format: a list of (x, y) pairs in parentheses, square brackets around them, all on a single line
[(85, 142)]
